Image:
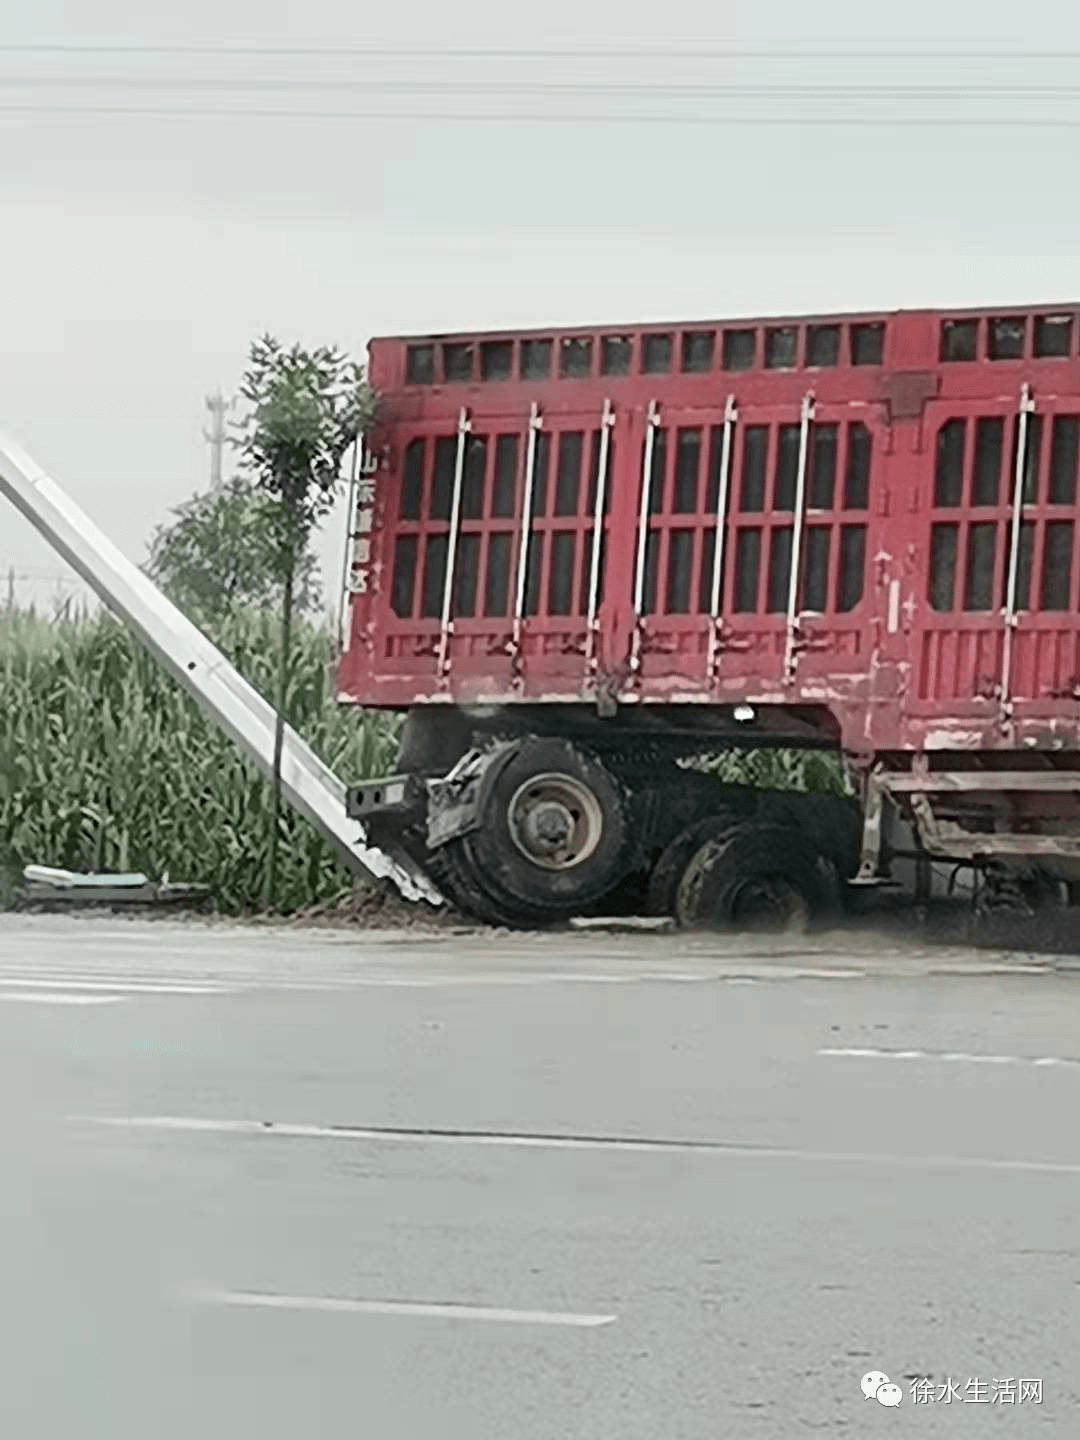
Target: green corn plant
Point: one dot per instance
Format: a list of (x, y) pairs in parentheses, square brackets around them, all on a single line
[(815, 770), (106, 764)]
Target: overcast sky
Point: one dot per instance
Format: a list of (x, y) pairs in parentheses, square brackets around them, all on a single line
[(142, 252)]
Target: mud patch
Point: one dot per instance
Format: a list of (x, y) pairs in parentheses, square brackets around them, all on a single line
[(378, 907)]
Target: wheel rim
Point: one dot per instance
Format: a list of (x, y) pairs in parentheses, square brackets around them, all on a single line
[(555, 821), (768, 902)]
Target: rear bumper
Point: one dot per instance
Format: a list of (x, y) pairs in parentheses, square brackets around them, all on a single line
[(440, 808), (399, 796)]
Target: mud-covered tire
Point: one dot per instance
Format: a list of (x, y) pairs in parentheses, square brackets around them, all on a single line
[(756, 876), (670, 868), (520, 867), (455, 874), (833, 893), (832, 824), (456, 885)]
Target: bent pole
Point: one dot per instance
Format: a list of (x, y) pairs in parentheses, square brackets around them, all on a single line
[(235, 706)]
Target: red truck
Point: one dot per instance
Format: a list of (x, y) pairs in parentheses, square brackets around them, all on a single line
[(582, 557)]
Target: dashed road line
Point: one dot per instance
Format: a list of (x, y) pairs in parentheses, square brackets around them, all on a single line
[(168, 984), (52, 997), (287, 1130), (118, 987), (955, 1056), (436, 1310)]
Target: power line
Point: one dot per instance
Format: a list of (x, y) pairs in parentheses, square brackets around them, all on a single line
[(646, 52), (55, 576), (995, 121), (14, 582), (630, 89)]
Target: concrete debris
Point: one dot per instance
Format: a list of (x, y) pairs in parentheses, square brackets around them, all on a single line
[(46, 887)]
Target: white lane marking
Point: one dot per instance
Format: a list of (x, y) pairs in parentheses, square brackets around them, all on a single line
[(956, 1056), (316, 983), (138, 979), (295, 1131), (127, 987), (87, 979), (51, 997), (291, 1131), (298, 977), (434, 1309)]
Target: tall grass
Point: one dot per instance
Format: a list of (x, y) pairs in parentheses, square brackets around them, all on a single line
[(106, 764)]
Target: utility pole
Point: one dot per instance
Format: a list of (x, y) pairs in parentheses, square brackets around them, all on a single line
[(215, 437)]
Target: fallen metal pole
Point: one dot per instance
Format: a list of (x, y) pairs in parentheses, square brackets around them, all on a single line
[(203, 671)]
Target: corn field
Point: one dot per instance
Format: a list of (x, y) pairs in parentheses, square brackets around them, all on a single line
[(107, 765), (819, 770)]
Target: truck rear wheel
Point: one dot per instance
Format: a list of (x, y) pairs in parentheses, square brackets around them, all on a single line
[(669, 870), (455, 873), (553, 835), (754, 877)]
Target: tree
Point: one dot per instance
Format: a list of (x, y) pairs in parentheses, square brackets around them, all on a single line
[(306, 408), (221, 550)]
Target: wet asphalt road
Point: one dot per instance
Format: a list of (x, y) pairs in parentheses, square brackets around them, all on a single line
[(810, 1205)]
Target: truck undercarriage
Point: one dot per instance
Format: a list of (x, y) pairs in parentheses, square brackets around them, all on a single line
[(530, 818), (532, 815)]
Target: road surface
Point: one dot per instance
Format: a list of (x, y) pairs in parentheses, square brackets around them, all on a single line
[(274, 1184)]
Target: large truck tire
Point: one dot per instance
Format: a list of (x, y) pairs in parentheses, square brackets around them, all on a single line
[(669, 870), (757, 876), (454, 872), (831, 823), (553, 838)]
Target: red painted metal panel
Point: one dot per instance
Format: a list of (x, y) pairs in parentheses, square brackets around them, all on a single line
[(966, 497), (1044, 675), (552, 649), (906, 532), (989, 512), (840, 599), (672, 562)]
